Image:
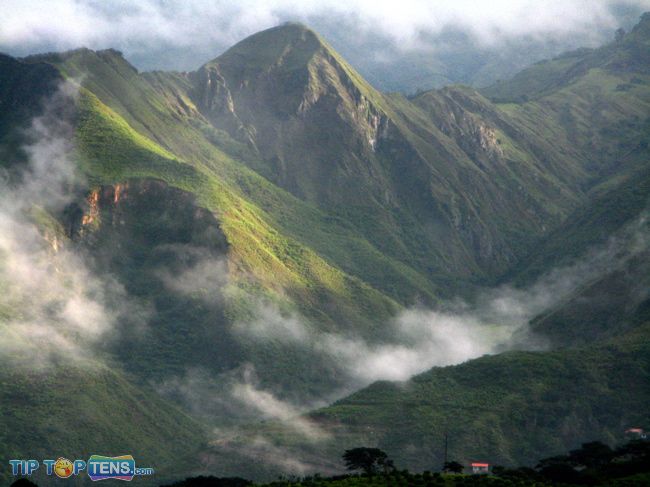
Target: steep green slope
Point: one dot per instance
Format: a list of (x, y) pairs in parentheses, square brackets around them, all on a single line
[(605, 307), (261, 262), (78, 408), (485, 182), (168, 118), (329, 138), (594, 101), (612, 232), (612, 206), (511, 408), (89, 408), (22, 88), (128, 235), (587, 138)]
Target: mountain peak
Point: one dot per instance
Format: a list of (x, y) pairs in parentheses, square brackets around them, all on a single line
[(291, 45), (287, 68)]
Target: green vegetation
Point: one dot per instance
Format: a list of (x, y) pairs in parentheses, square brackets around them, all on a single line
[(339, 206), (368, 460), (82, 409), (506, 409), (592, 463)]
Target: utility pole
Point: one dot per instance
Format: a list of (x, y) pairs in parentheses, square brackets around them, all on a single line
[(446, 447)]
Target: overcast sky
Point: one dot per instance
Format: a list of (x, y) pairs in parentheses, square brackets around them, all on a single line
[(181, 34)]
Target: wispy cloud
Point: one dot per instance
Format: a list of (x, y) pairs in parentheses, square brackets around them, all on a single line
[(269, 406), (197, 272), (237, 397), (52, 306), (267, 455), (421, 338)]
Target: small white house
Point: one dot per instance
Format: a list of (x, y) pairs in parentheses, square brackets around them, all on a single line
[(478, 468)]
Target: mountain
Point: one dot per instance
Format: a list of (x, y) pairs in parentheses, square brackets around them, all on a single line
[(260, 222), (284, 91), (514, 407), (503, 409)]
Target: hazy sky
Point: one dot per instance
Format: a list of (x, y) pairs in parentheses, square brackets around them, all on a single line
[(181, 34)]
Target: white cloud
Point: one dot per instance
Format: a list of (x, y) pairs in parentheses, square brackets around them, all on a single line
[(237, 397), (146, 27), (421, 338), (52, 306), (198, 272), (269, 406)]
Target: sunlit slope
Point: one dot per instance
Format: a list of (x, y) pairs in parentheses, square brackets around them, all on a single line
[(447, 182), (628, 54), (169, 119), (415, 196), (262, 262), (594, 101), (323, 198), (580, 152), (381, 162)]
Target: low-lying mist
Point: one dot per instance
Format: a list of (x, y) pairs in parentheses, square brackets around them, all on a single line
[(496, 321), (53, 308)]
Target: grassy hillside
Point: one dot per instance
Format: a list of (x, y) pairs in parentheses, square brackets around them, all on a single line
[(508, 409), (629, 54), (593, 101), (157, 227), (616, 297), (485, 181), (92, 409), (415, 197)]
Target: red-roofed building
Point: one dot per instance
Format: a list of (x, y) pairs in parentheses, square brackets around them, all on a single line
[(480, 467), (636, 433)]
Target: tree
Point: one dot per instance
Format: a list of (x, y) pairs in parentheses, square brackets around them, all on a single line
[(560, 473), (453, 467), (367, 459), (591, 455), (556, 460), (211, 481), (23, 482), (386, 465)]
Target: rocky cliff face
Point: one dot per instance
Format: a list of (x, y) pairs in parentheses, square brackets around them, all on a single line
[(118, 208), (285, 93), (436, 168), (143, 232)]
